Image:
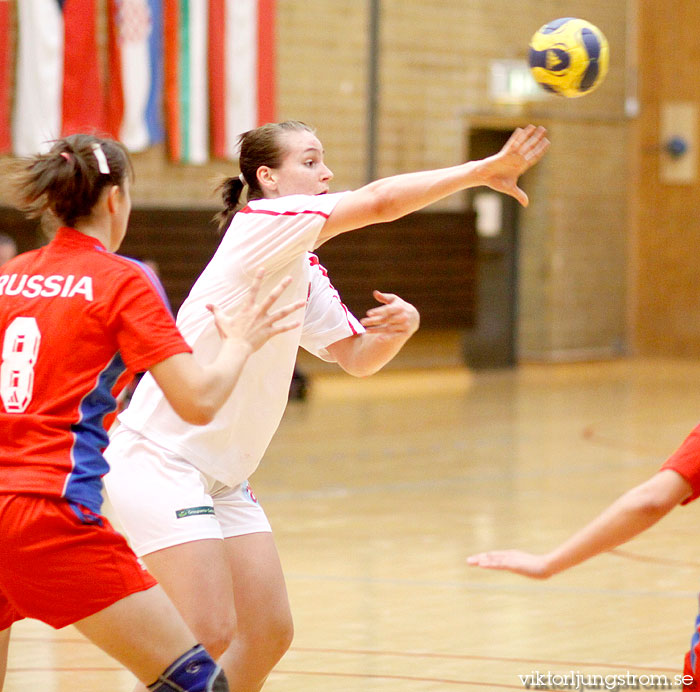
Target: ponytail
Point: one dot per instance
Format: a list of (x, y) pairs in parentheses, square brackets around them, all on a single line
[(231, 189), (69, 179)]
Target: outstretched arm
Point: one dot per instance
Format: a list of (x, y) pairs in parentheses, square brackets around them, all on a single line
[(389, 326), (628, 516), (391, 198)]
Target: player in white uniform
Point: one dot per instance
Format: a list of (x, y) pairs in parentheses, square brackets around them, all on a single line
[(181, 492)]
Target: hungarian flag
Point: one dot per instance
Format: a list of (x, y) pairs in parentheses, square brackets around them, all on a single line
[(58, 85), (186, 25), (135, 98), (241, 70)]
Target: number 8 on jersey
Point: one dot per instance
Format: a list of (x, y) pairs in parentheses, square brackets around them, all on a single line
[(19, 352)]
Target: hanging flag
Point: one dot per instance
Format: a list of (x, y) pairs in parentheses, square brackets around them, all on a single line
[(266, 62), (83, 94), (58, 86), (136, 72), (241, 70), (37, 112), (5, 76), (186, 83)]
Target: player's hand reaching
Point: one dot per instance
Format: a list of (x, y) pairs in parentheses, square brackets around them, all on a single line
[(517, 561), (523, 150), (394, 317), (255, 323)]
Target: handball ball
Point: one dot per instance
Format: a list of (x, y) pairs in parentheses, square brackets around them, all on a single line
[(569, 57)]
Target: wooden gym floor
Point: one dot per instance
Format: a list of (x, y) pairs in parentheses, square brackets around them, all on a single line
[(378, 490)]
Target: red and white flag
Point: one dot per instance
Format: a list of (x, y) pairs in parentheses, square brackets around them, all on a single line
[(241, 70)]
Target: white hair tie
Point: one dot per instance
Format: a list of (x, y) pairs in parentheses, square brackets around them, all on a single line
[(242, 179), (102, 164)]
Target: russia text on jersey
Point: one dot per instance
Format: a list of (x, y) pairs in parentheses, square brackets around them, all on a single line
[(54, 286)]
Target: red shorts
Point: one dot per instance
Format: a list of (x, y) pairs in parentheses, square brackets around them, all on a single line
[(57, 568)]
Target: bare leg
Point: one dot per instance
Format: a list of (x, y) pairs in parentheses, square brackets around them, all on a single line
[(265, 627), (202, 577), (196, 576), (143, 631), (4, 646)]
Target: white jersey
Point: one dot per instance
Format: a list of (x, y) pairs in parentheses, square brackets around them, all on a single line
[(278, 235)]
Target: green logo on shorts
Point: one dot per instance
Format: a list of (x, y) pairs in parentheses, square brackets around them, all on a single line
[(193, 511)]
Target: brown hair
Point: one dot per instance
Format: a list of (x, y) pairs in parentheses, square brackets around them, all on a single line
[(69, 179), (259, 147)]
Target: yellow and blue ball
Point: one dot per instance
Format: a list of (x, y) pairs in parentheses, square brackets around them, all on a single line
[(569, 57)]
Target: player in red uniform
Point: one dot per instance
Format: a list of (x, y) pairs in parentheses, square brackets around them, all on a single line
[(76, 321), (676, 482)]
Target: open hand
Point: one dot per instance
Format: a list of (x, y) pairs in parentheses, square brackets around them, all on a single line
[(395, 316), (523, 150), (253, 322), (517, 561)]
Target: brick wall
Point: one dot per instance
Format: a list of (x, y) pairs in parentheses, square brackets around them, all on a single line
[(434, 67)]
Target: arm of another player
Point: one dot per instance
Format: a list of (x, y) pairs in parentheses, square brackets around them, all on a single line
[(391, 198), (196, 392), (389, 326), (631, 514)]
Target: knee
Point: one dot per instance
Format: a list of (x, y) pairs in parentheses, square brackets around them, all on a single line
[(284, 634), (194, 671), (267, 640), (216, 635), (276, 637), (257, 650)]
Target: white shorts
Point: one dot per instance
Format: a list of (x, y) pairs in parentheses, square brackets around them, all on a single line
[(161, 500)]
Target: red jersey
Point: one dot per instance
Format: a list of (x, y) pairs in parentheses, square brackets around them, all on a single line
[(76, 322), (686, 462)]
